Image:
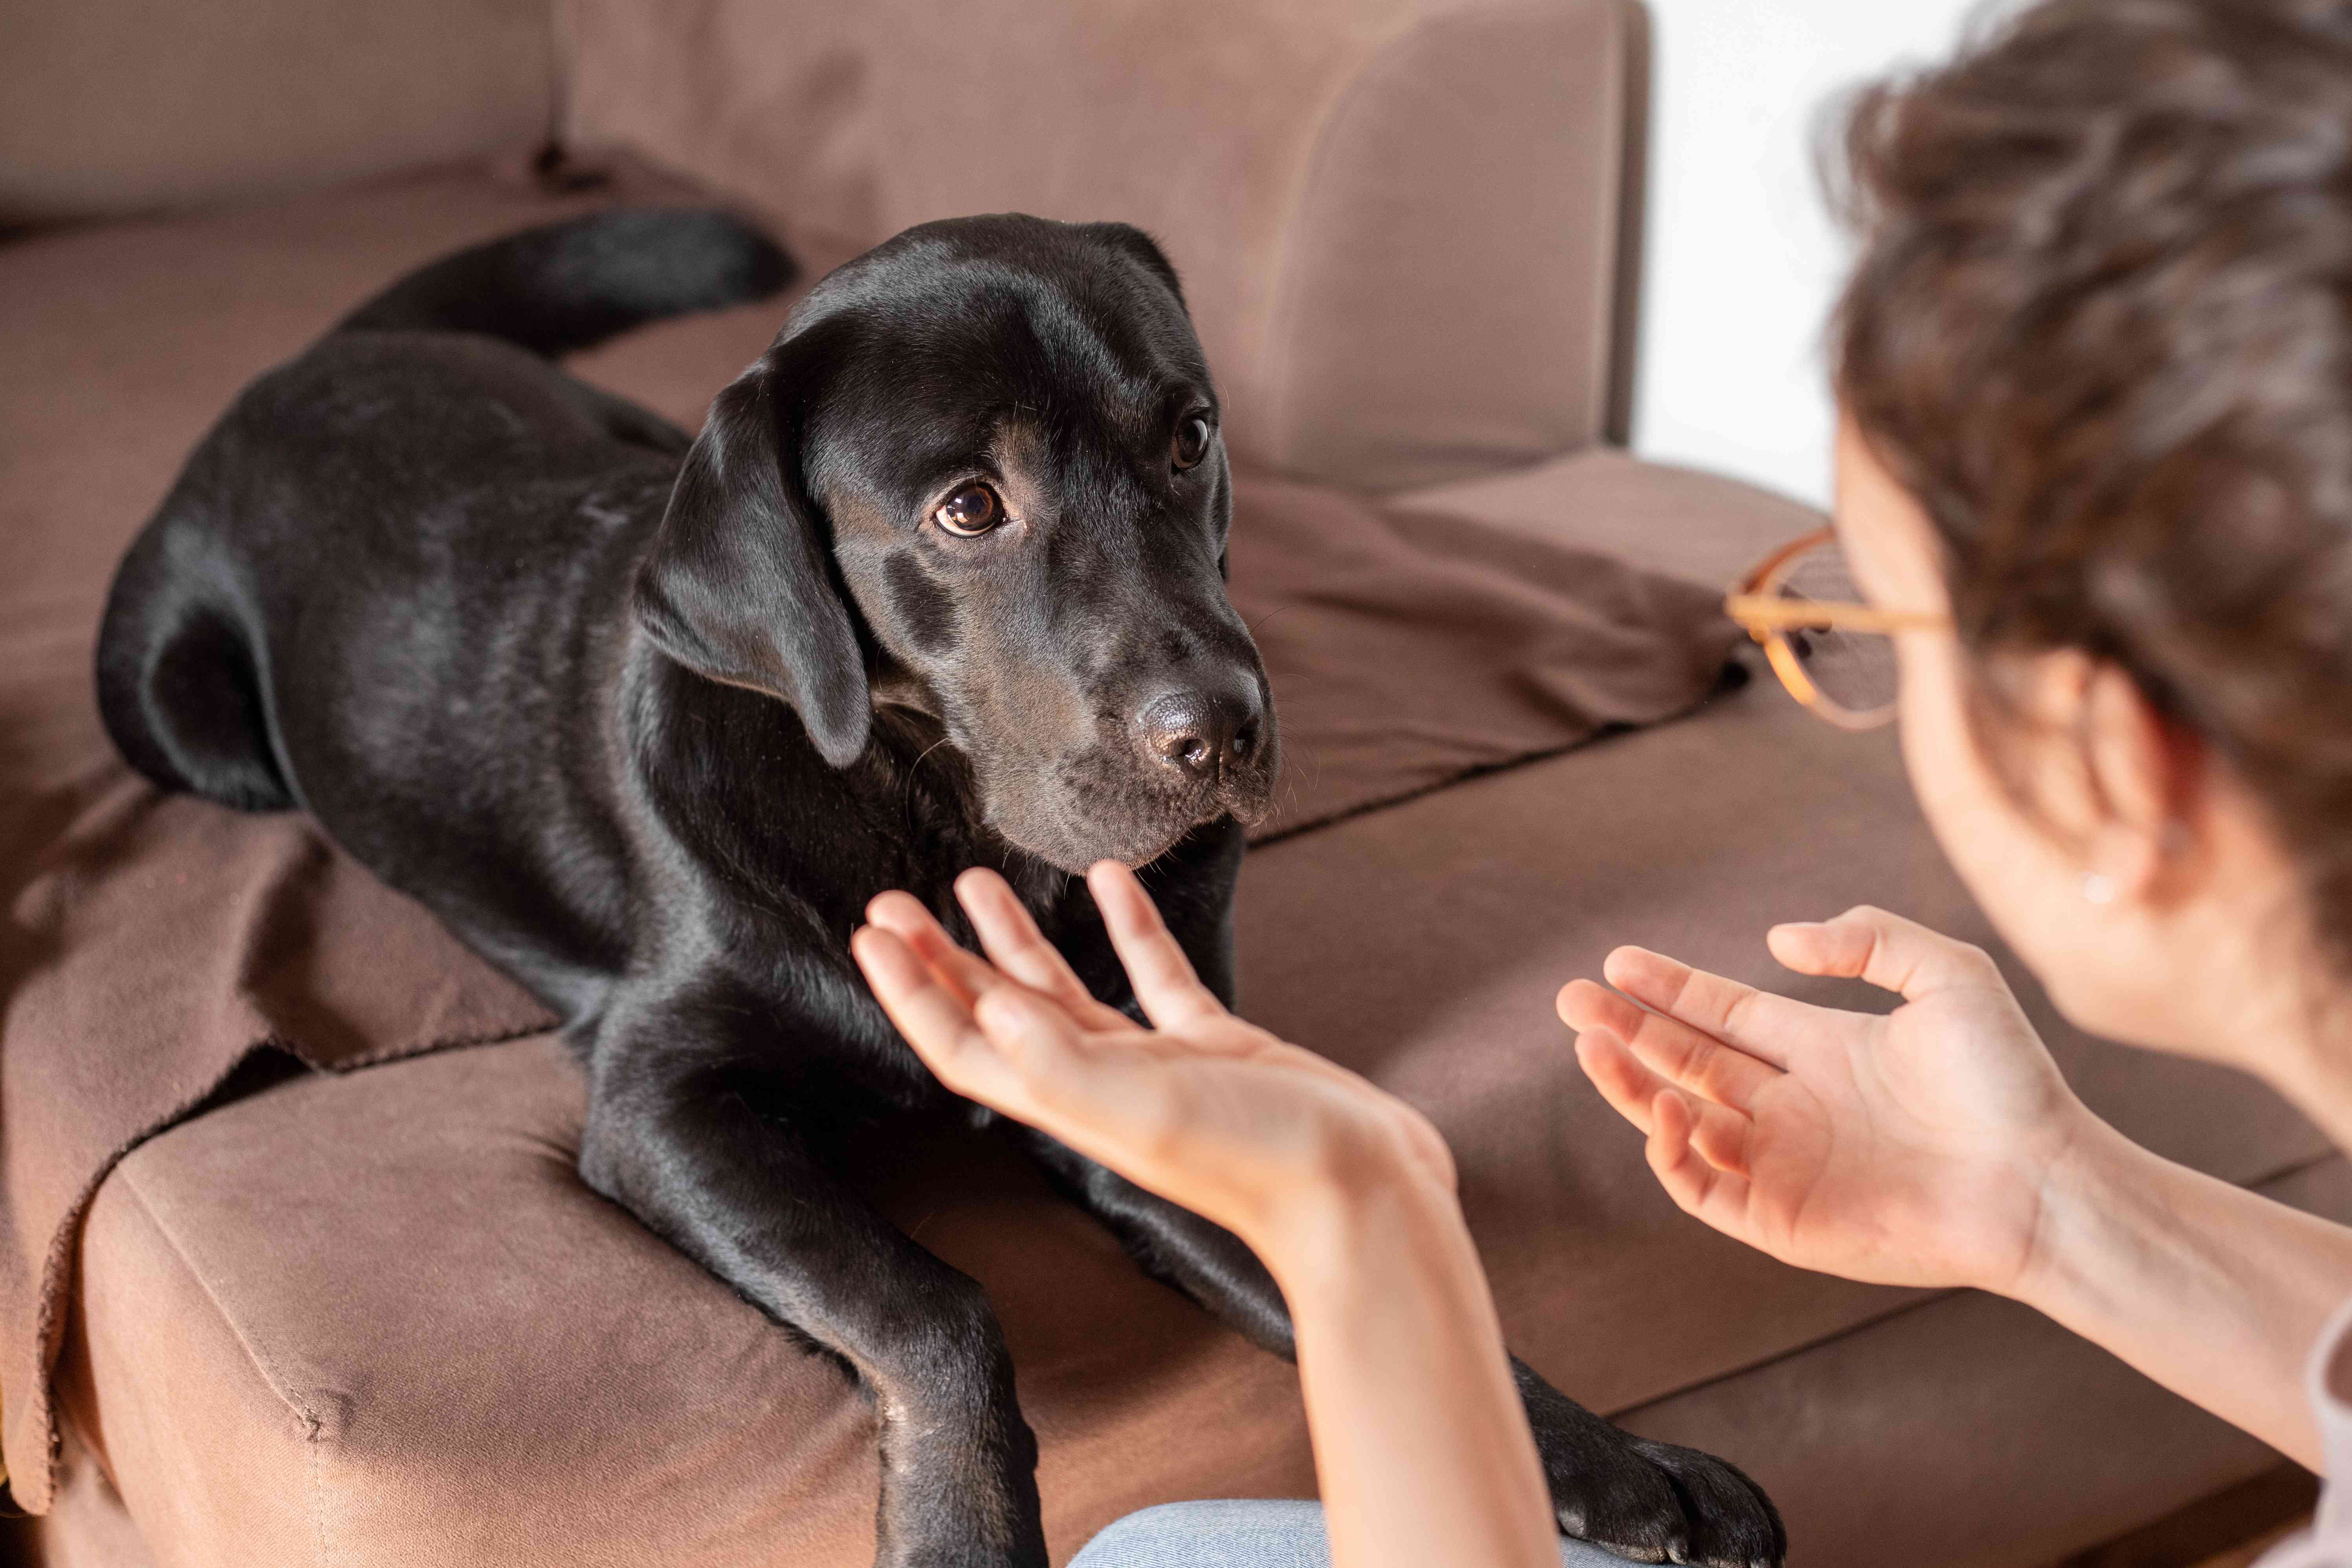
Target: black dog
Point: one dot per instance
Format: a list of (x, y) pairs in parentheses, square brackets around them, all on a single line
[(646, 722)]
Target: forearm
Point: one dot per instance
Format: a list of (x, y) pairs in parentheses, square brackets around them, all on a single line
[(2213, 1292), (1420, 1448)]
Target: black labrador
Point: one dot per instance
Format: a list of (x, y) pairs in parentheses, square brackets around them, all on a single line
[(646, 722)]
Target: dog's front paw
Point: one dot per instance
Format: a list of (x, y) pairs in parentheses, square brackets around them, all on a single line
[(1656, 1504), (1732, 1524), (1653, 1502)]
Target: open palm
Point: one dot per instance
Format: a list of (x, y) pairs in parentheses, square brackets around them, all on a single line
[(1911, 1149), (1205, 1110)]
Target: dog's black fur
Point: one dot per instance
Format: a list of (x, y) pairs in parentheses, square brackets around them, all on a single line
[(646, 722)]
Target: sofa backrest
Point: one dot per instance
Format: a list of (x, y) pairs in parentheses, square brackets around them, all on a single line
[(109, 107), (1397, 220)]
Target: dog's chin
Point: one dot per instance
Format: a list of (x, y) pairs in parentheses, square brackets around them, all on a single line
[(1074, 847), (1073, 834)]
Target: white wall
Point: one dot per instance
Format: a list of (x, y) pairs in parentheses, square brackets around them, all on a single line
[(1743, 260)]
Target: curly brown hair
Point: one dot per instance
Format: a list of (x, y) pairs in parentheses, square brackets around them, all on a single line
[(2102, 330)]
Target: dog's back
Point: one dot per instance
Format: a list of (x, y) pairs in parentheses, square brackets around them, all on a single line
[(186, 683)]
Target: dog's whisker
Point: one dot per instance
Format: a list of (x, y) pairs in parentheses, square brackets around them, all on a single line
[(1267, 616), (907, 800)]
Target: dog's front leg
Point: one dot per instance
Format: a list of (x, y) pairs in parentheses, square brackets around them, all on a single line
[(1170, 1243), (700, 1143)]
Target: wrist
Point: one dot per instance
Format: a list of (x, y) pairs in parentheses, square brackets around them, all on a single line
[(2083, 1187), (1340, 1235)]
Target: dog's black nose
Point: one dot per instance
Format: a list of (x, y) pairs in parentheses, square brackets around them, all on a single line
[(1204, 734)]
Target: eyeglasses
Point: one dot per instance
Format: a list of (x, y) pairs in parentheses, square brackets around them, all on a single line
[(1830, 650)]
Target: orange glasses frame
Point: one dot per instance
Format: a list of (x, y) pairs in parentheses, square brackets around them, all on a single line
[(1769, 619)]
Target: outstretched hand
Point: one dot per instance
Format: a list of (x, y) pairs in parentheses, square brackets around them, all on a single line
[(1912, 1149), (1200, 1107)]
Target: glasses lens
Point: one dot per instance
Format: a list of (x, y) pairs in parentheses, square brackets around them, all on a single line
[(1853, 670)]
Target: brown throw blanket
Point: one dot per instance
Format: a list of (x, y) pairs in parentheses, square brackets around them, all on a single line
[(152, 943), (1409, 649)]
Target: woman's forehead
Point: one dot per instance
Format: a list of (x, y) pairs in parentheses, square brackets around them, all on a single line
[(1888, 541)]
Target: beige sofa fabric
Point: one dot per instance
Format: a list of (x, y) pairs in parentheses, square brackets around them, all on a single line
[(86, 1527), (122, 106), (1396, 219), (376, 1320)]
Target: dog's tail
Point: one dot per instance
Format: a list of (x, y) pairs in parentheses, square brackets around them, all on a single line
[(568, 285)]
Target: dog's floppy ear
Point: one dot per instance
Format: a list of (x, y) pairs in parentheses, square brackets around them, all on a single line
[(739, 586), (1142, 247)]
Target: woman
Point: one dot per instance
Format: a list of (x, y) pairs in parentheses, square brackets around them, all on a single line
[(2095, 483)]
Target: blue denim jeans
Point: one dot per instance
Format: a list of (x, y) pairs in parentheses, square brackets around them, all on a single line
[(1244, 1534)]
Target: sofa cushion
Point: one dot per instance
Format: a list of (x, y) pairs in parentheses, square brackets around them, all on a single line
[(1396, 219), (377, 1318)]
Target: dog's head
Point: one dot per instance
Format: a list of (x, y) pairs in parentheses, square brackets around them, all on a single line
[(979, 474)]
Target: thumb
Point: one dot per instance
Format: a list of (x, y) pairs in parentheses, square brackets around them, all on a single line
[(1883, 949)]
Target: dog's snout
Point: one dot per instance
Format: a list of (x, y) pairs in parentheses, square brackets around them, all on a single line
[(1204, 734)]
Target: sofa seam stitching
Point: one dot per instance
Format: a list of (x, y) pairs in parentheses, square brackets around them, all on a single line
[(58, 1261), (59, 1266), (263, 1362), (317, 1501)]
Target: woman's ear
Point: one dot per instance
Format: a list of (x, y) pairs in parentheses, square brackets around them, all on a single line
[(740, 586), (2143, 772)]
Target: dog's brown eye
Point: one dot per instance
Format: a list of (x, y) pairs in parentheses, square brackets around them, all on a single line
[(1191, 442), (972, 510)]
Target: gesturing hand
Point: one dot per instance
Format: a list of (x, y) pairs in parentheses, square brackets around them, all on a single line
[(1912, 1149), (1202, 1109)]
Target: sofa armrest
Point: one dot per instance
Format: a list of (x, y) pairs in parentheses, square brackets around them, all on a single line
[(1397, 220), (109, 107)]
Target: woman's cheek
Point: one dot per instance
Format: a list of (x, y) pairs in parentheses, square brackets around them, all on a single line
[(2005, 864)]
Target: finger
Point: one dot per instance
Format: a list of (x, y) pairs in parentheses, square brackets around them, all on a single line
[(1685, 1057), (936, 1021), (1038, 1038), (1723, 1137), (1618, 1075), (1588, 1004), (1698, 1186), (1885, 951), (1018, 948), (1762, 1024), (904, 917), (1632, 1091), (1172, 995)]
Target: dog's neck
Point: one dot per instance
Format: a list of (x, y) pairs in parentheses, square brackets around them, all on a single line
[(917, 743)]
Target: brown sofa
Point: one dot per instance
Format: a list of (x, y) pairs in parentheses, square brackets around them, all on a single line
[(373, 1317)]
